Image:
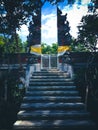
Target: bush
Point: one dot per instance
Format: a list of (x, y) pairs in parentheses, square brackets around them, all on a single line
[(9, 108)]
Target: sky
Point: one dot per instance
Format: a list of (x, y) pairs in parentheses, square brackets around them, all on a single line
[(49, 20)]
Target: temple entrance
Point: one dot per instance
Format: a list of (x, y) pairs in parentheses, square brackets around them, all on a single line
[(49, 61)]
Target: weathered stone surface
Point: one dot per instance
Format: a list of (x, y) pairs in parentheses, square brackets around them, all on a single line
[(55, 99), (51, 93), (51, 88), (51, 114), (52, 102), (55, 124)]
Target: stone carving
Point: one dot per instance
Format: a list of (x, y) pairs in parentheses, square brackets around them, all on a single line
[(34, 37), (64, 36)]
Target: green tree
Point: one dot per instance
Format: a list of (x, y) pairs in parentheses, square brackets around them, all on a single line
[(24, 47), (14, 48), (1, 45), (47, 49), (10, 46), (1, 41), (54, 48), (88, 32), (76, 46)]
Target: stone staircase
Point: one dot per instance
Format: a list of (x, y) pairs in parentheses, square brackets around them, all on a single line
[(52, 102)]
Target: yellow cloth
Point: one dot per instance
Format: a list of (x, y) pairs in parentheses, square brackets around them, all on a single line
[(63, 49), (35, 49)]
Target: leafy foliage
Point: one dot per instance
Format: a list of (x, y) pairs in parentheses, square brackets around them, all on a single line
[(88, 32), (9, 108), (1, 41), (10, 46), (47, 49), (76, 46)]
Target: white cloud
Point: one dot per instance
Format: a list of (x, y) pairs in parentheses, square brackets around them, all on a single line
[(74, 17), (49, 28), (23, 32)]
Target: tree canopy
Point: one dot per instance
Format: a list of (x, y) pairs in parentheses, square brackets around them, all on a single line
[(14, 13), (11, 47), (47, 49), (88, 32)]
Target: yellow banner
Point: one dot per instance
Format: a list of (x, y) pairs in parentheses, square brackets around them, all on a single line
[(63, 49), (36, 49)]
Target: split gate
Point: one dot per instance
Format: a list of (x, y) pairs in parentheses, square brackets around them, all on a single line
[(49, 61)]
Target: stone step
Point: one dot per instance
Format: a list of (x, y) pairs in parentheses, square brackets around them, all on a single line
[(48, 77), (52, 115), (52, 93), (51, 83), (50, 70), (50, 74), (51, 88), (52, 99), (52, 106), (51, 80), (54, 125)]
